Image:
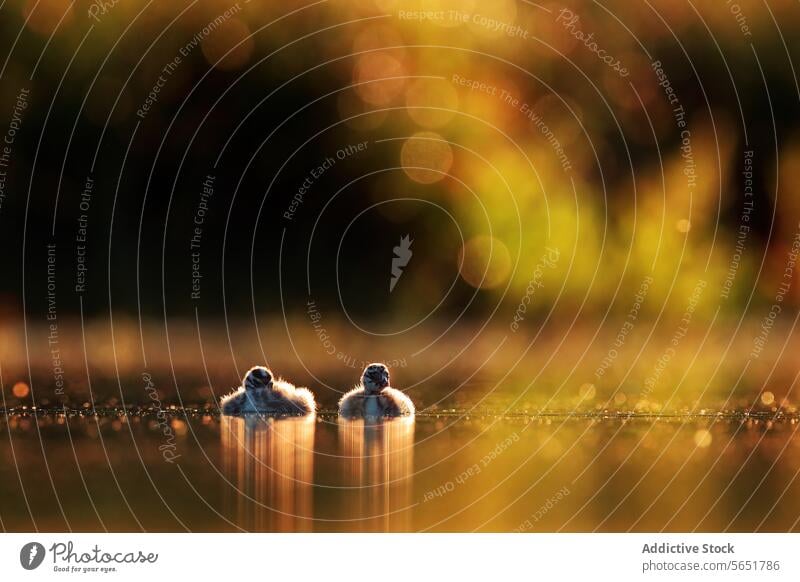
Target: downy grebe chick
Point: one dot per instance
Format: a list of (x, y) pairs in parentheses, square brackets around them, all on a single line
[(373, 398), (260, 393)]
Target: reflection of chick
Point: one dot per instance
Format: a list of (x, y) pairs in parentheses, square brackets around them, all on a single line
[(259, 393), (373, 398)]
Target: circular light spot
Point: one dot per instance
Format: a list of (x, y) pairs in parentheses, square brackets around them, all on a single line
[(431, 102), (767, 398), (232, 35), (44, 16), (20, 390), (379, 78), (587, 391), (179, 427), (484, 262), (426, 157), (702, 438), (620, 398), (683, 225)]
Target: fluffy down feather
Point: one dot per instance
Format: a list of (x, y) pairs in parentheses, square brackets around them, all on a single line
[(280, 398), (388, 402)]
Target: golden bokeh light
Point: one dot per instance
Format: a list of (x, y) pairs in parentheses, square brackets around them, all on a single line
[(489, 101), (43, 17), (426, 157), (431, 102), (485, 262), (767, 398), (379, 78), (20, 390), (179, 427), (702, 438)]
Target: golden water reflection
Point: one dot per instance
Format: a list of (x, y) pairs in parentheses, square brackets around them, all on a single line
[(479, 474), (377, 464), (269, 465)]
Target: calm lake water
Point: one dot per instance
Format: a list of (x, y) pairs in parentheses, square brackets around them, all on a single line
[(449, 472)]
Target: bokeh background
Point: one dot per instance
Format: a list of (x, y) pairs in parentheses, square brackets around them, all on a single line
[(638, 226), (570, 229)]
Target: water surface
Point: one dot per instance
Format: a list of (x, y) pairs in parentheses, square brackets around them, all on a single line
[(447, 472)]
